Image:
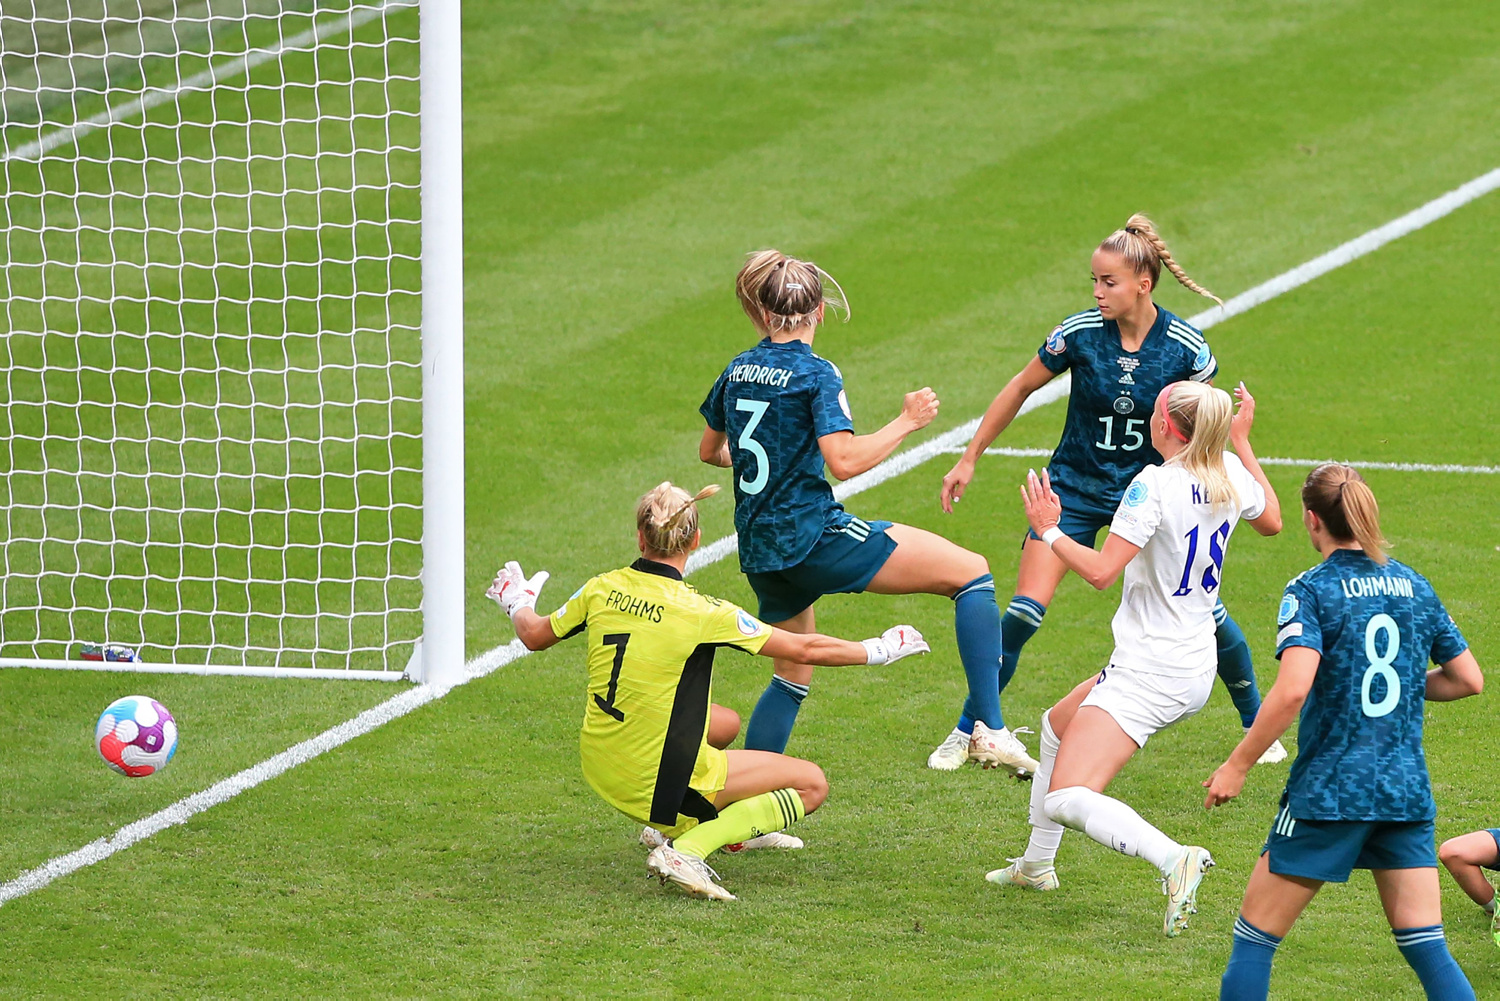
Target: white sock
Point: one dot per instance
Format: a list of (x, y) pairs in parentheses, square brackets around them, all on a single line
[(1110, 822), (1489, 908), (1046, 833)]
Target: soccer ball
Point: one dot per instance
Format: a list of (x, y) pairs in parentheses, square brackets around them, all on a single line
[(136, 736)]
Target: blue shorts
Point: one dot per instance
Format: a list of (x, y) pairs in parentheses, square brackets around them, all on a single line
[(843, 561), (1329, 850), (1080, 526), (1495, 865)]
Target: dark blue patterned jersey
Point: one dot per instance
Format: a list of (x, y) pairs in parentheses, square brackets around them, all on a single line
[(1106, 439), (1359, 743), (774, 402)]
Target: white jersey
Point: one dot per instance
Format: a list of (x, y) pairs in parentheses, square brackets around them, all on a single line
[(1165, 624)]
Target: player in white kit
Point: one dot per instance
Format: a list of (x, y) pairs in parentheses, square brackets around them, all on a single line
[(1168, 537)]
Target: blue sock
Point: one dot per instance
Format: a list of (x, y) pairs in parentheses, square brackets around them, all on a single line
[(1236, 669), (976, 619), (1248, 975), (1023, 617), (775, 714), (1426, 950)]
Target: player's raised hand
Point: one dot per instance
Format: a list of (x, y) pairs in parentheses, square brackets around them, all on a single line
[(512, 590), (1223, 785), (1239, 427), (955, 483), (1043, 507), (893, 644), (920, 408)]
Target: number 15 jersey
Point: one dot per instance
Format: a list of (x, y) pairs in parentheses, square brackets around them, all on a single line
[(1359, 743), (1165, 624)]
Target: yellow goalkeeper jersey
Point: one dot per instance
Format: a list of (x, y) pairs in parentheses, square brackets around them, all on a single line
[(651, 643)]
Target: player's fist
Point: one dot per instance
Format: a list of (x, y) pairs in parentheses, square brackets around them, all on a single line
[(920, 408), (512, 590), (893, 644)]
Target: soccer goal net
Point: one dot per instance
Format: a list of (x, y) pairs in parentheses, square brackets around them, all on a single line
[(225, 394)]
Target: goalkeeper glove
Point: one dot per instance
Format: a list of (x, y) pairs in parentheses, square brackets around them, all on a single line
[(893, 644), (512, 591)]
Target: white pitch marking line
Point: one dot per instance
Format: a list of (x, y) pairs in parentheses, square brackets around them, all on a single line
[(1403, 467), (491, 660), (237, 66)]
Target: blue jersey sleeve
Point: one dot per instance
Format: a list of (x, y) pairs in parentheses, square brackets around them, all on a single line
[(1449, 641), (713, 406), (1205, 365), (1297, 621), (1054, 352), (830, 407)]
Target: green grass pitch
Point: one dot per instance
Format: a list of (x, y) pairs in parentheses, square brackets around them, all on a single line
[(953, 165)]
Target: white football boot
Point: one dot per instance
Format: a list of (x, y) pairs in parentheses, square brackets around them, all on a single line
[(1181, 887), (1002, 749), (1015, 874), (692, 874), (776, 839), (1274, 755), (652, 838), (952, 753)]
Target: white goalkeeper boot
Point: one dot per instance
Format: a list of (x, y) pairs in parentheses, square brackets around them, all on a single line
[(776, 839), (692, 874), (952, 753), (652, 838), (1002, 749)]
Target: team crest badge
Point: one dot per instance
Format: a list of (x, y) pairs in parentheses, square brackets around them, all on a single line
[(1288, 609), (1056, 342), (746, 624), (1124, 405), (1204, 357), (1136, 495)]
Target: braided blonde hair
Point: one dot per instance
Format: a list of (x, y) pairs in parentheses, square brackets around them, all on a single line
[(1145, 251), (668, 518), (781, 293)]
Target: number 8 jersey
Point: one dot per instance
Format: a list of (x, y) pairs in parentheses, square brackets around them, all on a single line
[(774, 402), (1359, 743)]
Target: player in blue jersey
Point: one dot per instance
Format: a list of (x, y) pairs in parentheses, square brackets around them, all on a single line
[(1466, 857), (777, 415), (1121, 353), (1356, 634)]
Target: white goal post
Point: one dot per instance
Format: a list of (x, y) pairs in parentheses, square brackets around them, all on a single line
[(231, 414)]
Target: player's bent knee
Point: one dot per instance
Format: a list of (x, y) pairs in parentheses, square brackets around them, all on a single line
[(723, 726), (812, 787), (1063, 806)]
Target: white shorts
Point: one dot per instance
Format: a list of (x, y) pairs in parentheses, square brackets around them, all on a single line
[(1145, 703)]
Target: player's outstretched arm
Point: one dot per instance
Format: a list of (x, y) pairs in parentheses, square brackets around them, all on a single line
[(1101, 568), (828, 651), (1268, 522), (849, 454), (1002, 410), (517, 595), (1299, 666), (1457, 679)]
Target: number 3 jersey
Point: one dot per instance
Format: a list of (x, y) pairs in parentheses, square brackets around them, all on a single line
[(1359, 742), (1165, 624), (774, 402), (651, 643), (1106, 438)]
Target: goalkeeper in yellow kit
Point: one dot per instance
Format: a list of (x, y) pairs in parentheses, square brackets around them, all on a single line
[(646, 722)]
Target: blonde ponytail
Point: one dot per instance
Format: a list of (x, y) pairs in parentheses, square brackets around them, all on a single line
[(1202, 414), (1145, 251), (1346, 505), (668, 518), (781, 293)]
